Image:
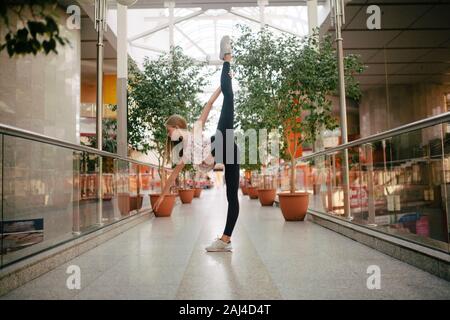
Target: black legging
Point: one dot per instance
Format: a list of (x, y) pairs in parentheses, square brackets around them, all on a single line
[(226, 121)]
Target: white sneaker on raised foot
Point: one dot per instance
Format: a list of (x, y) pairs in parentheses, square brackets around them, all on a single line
[(219, 246), (225, 47)]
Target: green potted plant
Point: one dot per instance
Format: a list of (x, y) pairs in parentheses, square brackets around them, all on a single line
[(311, 79), (166, 86), (301, 76), (258, 71), (196, 186), (252, 187), (185, 192), (267, 192), (249, 185)]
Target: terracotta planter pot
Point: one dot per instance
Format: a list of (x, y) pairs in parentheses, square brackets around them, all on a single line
[(294, 205), (123, 200), (186, 195), (135, 202), (166, 207), (244, 190), (267, 196), (197, 192), (252, 192)]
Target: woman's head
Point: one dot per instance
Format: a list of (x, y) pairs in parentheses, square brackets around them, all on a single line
[(175, 122)]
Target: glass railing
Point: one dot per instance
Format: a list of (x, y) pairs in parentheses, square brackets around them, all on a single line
[(53, 192), (399, 181)]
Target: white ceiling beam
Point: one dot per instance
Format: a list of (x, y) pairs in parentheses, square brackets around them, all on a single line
[(258, 21), (165, 25), (218, 4), (147, 47), (192, 41), (226, 15)]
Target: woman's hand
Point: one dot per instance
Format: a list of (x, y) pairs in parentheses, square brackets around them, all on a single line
[(158, 203)]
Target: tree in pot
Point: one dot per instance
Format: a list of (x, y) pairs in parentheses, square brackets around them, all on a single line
[(267, 191), (196, 185), (259, 62), (252, 189), (292, 94), (166, 86), (311, 78), (249, 186), (186, 193)]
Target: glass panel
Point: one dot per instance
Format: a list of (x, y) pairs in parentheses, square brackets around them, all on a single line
[(89, 207), (37, 197), (123, 187), (52, 195), (145, 179), (1, 199), (398, 185), (414, 188)]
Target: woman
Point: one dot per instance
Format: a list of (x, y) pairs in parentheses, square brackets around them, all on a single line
[(177, 127)]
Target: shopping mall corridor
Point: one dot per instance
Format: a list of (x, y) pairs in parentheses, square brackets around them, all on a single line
[(164, 258)]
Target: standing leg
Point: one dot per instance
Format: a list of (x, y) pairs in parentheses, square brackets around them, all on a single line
[(232, 181)]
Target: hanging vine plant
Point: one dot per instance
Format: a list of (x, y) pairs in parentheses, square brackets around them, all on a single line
[(30, 27)]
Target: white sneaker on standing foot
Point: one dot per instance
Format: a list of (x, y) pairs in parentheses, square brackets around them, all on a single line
[(219, 246)]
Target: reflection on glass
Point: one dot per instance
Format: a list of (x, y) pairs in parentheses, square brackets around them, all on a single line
[(52, 195), (398, 185), (38, 184)]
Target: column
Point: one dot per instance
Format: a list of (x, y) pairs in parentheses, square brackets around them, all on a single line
[(312, 16), (171, 6), (122, 76), (262, 15)]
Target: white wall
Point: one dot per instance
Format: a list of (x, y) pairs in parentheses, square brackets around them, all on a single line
[(42, 93)]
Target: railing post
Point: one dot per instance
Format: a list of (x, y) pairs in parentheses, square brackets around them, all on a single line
[(100, 192), (339, 20), (370, 188), (76, 196), (100, 26)]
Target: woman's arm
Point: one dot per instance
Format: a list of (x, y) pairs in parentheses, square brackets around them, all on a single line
[(180, 165), (208, 106), (168, 184)]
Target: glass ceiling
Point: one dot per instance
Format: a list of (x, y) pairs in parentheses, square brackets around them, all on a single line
[(199, 32)]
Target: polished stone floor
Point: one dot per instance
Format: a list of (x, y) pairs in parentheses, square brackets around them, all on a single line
[(164, 258)]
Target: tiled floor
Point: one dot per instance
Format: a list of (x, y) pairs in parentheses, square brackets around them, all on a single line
[(165, 259)]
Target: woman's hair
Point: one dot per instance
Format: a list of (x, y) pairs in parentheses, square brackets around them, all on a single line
[(178, 122)]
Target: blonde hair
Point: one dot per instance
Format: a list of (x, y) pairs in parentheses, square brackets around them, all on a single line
[(178, 122)]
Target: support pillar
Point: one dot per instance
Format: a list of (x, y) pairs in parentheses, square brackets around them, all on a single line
[(338, 11), (171, 6), (312, 16), (122, 81), (262, 15)]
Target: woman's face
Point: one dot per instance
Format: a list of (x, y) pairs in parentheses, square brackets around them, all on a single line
[(173, 132)]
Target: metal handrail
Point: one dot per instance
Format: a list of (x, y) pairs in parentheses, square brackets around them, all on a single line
[(420, 124), (29, 135)]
